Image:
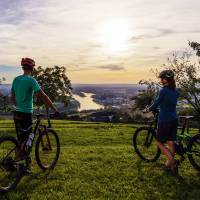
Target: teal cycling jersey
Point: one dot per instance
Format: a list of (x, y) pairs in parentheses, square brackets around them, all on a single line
[(24, 87)]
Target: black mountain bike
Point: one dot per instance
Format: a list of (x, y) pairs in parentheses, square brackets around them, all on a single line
[(47, 150), (144, 143)]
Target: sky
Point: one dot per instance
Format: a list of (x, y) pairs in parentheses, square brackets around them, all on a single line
[(107, 41)]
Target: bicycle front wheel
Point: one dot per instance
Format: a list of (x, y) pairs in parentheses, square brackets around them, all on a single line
[(194, 151), (47, 149), (9, 169), (144, 143)]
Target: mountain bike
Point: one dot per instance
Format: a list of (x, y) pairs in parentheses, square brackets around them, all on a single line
[(47, 150), (144, 143)]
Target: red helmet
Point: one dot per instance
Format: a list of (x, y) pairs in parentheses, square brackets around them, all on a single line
[(28, 62)]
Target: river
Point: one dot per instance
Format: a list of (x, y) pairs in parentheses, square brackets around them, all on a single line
[(87, 103)]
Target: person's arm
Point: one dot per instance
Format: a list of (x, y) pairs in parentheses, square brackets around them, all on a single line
[(157, 101), (40, 94)]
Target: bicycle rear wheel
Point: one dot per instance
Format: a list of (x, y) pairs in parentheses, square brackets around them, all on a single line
[(194, 151), (47, 149), (9, 169), (144, 143)]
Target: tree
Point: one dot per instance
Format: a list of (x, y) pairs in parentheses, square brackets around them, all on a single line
[(4, 100), (146, 96), (196, 47), (187, 76), (1, 80), (54, 82)]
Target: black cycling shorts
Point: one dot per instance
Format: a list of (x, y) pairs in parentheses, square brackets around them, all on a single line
[(22, 121), (167, 131)]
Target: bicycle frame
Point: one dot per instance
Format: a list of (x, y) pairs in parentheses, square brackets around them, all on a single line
[(153, 125), (184, 135), (38, 124)]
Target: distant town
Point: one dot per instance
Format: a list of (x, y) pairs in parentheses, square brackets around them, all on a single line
[(105, 102), (107, 95), (102, 97)]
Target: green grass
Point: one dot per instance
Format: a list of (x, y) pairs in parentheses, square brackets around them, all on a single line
[(97, 161)]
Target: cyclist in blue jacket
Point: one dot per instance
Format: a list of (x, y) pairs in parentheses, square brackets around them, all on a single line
[(167, 118)]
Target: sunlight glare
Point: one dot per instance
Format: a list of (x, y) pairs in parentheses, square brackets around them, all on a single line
[(114, 35)]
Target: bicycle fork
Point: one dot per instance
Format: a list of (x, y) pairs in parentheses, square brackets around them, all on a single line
[(47, 139), (148, 139)]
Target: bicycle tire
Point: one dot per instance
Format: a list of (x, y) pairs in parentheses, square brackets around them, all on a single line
[(151, 133), (39, 141), (15, 169), (191, 145)]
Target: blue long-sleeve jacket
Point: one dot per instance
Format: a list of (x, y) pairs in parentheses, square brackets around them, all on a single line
[(166, 101)]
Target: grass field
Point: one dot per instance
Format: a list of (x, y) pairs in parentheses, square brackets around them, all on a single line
[(97, 161)]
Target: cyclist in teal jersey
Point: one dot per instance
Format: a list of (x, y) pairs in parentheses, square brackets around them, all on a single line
[(24, 87)]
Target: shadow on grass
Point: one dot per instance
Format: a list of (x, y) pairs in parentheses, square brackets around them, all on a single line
[(166, 186), (26, 186)]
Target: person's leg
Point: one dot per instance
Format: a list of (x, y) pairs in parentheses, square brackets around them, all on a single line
[(171, 147), (18, 151), (27, 124), (162, 136), (172, 136), (166, 152)]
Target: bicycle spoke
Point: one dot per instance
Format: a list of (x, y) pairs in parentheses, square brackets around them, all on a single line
[(145, 144), (194, 153)]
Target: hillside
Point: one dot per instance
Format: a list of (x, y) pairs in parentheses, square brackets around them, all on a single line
[(98, 162)]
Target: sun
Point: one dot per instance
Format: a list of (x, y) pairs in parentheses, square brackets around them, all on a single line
[(114, 35)]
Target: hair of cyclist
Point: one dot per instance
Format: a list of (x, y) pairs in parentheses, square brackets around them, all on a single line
[(171, 83), (27, 67)]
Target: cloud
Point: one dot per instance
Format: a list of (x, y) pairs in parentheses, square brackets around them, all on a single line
[(67, 32), (112, 67), (157, 34), (156, 48), (15, 12), (77, 68)]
